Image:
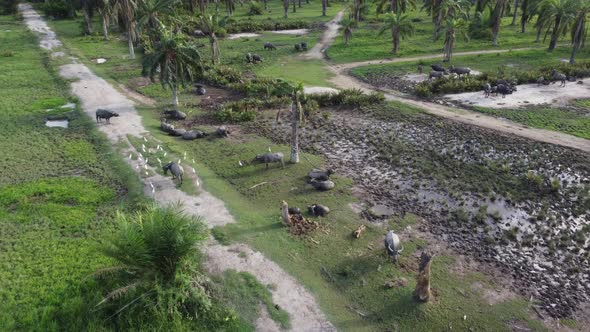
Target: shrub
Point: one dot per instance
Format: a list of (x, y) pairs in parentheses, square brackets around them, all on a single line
[(7, 53), (348, 97), (56, 8), (256, 8), (7, 7), (460, 216), (155, 269)]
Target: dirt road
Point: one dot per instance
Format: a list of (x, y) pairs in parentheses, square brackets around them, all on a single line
[(94, 92), (342, 80)]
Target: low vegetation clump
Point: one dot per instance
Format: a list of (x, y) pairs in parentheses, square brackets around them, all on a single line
[(451, 84), (266, 25), (349, 98), (156, 273)]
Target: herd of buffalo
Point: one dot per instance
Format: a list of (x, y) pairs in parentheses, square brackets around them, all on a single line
[(502, 87)]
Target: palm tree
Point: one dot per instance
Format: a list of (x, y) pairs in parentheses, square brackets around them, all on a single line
[(230, 6), (579, 28), (286, 8), (297, 116), (150, 14), (497, 15), (150, 251), (452, 28), (528, 9), (324, 7), (128, 20), (347, 25), (396, 6), (556, 15), (177, 61), (480, 5), (441, 10), (211, 25), (88, 12), (515, 13), (400, 27), (107, 10)]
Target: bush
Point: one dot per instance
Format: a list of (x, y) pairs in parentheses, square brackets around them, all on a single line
[(7, 7), (255, 26), (256, 8), (56, 8), (348, 97)]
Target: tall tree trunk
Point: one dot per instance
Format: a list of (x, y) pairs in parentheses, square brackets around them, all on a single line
[(395, 37), (437, 20), (555, 33), (295, 132), (394, 6), (174, 94), (87, 11), (300, 4), (324, 5), (214, 49), (286, 8), (578, 36), (130, 38), (265, 4), (515, 14), (525, 16), (539, 32), (294, 7), (497, 17), (105, 26)]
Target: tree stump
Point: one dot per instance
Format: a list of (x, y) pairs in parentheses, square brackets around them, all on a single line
[(422, 292)]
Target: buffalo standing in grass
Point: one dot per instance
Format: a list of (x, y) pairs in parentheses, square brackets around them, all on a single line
[(392, 245), (269, 46), (175, 169), (269, 158)]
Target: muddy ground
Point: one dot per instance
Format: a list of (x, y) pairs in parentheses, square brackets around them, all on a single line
[(520, 205)]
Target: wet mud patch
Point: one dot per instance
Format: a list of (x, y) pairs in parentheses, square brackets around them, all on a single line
[(507, 202)]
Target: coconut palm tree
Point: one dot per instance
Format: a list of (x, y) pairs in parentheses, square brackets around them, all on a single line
[(324, 7), (441, 10), (178, 62), (579, 28), (497, 15), (88, 13), (107, 10), (286, 8), (400, 26), (396, 6), (480, 5), (230, 6), (515, 13), (211, 25), (150, 14), (528, 9), (347, 25), (151, 251), (453, 27), (127, 11), (556, 15)]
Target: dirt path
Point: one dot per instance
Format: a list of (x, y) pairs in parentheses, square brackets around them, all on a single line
[(94, 92), (342, 80), (317, 51)]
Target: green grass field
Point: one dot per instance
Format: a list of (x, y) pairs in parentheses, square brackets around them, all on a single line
[(58, 191), (366, 45), (344, 274)]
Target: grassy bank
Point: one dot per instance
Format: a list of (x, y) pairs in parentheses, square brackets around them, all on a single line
[(59, 191)]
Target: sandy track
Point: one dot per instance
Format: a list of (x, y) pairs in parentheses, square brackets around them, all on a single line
[(94, 92), (342, 80), (317, 51)]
